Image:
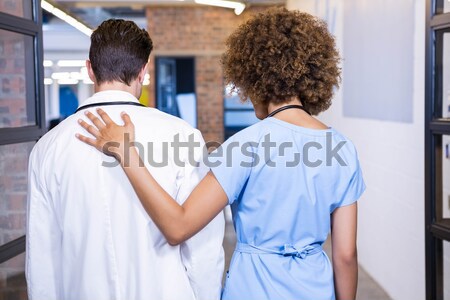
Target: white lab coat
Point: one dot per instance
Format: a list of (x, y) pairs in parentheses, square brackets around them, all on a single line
[(88, 236)]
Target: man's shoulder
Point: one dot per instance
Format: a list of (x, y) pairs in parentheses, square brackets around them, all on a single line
[(53, 137), (164, 121)]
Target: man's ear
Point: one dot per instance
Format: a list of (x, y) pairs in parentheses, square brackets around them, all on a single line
[(90, 71), (142, 73)]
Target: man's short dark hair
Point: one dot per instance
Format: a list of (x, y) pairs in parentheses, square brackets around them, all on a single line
[(119, 50)]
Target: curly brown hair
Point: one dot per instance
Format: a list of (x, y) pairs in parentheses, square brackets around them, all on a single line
[(281, 54)]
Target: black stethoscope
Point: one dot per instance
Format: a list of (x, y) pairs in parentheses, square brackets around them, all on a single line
[(141, 105), (109, 103), (287, 107)]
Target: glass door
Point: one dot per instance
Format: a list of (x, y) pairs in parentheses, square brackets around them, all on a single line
[(175, 87), (22, 123), (166, 84), (437, 151)]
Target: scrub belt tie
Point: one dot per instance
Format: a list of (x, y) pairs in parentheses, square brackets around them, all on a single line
[(286, 250)]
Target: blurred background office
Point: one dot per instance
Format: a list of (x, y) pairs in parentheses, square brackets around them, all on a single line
[(393, 103)]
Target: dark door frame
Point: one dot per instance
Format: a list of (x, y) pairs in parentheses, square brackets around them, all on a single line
[(35, 94), (437, 229)]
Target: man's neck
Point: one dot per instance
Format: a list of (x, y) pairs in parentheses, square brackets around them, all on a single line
[(118, 86)]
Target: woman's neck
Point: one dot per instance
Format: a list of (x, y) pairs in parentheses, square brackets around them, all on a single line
[(273, 107), (295, 116)]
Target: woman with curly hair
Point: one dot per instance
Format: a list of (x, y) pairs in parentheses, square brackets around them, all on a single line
[(289, 178)]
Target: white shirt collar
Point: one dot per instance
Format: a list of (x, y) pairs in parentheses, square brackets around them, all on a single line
[(108, 96)]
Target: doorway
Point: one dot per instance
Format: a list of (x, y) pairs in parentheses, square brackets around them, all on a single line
[(175, 87)]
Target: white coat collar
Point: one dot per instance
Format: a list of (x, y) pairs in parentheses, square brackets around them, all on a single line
[(108, 96)]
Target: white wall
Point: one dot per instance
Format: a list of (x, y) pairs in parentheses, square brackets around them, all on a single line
[(391, 212)]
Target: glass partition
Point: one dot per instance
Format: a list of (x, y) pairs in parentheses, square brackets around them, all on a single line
[(13, 285), (18, 8), (446, 75), (17, 102), (13, 184)]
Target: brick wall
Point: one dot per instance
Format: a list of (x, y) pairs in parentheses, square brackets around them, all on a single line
[(13, 201), (198, 32)]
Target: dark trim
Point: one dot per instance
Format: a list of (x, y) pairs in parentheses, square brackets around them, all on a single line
[(430, 242), (438, 178), (20, 135), (438, 72), (441, 230), (34, 77), (12, 249), (197, 114), (436, 228), (39, 70), (20, 25), (440, 21), (35, 95), (440, 126)]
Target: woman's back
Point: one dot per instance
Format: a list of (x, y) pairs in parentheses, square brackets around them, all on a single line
[(283, 182)]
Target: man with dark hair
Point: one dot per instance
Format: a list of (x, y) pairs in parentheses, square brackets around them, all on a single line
[(88, 236)]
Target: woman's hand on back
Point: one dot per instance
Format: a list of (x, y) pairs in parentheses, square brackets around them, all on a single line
[(109, 137), (177, 223)]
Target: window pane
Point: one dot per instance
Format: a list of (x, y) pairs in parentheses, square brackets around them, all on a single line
[(446, 76), (17, 92), (18, 8), (446, 6), (13, 186), (444, 217), (12, 279)]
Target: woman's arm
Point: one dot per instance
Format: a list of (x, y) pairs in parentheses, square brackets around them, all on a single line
[(344, 253), (177, 222)]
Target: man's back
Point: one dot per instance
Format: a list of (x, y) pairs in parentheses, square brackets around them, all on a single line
[(90, 238)]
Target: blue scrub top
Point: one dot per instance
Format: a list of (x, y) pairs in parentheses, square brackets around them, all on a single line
[(283, 181)]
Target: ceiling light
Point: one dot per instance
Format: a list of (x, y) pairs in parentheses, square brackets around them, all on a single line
[(67, 81), (61, 75), (48, 81), (48, 63), (76, 75), (71, 63), (238, 6), (66, 17)]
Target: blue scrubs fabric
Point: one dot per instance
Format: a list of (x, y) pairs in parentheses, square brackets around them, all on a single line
[(283, 182)]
